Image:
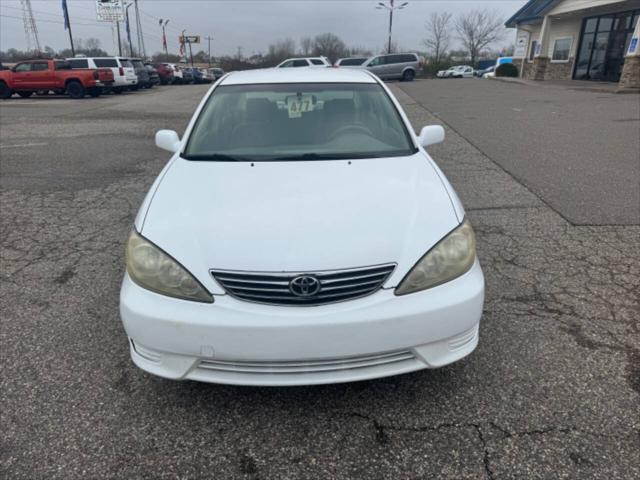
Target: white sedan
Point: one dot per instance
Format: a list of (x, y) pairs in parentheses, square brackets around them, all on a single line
[(300, 234), (459, 71)]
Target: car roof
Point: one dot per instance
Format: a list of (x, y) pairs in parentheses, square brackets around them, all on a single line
[(299, 75)]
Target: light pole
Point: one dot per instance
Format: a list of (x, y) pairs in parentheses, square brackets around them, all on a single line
[(126, 10), (163, 24), (391, 7), (209, 38)]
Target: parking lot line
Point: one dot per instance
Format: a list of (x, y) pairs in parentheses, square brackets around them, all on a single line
[(24, 145)]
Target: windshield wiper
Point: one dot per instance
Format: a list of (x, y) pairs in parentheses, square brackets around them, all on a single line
[(217, 157)]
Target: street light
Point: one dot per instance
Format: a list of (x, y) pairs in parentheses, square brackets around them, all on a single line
[(391, 7), (126, 11)]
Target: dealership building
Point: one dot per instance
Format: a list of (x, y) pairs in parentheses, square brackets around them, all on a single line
[(579, 39)]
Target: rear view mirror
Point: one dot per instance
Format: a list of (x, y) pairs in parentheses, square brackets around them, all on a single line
[(431, 134), (168, 140)]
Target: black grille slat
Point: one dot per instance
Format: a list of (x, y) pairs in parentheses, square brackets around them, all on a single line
[(273, 288)]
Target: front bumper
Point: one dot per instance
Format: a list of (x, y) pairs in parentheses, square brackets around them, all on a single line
[(236, 342)]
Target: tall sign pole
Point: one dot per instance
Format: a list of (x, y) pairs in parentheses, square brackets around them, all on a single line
[(67, 26), (111, 11)]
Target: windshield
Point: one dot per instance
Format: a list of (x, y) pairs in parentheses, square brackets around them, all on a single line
[(298, 122)]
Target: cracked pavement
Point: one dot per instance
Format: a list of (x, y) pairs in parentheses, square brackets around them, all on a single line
[(552, 391)]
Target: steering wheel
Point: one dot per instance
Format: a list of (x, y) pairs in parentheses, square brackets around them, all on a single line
[(353, 128)]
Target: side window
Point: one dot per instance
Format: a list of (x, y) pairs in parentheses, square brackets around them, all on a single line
[(23, 67), (317, 61), (300, 63), (79, 63), (106, 63), (39, 66), (377, 62), (62, 65), (395, 59), (561, 49), (409, 58), (532, 50), (287, 64)]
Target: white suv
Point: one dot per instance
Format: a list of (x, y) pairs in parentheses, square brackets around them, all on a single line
[(178, 76), (305, 62), (124, 74)]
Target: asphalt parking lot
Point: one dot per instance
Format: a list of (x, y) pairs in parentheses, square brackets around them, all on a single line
[(553, 390), (577, 149)]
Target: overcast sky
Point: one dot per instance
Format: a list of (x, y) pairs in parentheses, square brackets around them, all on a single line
[(249, 24)]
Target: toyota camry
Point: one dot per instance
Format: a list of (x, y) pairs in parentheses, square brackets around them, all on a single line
[(300, 234)]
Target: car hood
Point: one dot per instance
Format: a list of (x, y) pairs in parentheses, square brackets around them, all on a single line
[(300, 216)]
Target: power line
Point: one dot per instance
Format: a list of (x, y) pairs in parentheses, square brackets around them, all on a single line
[(59, 22), (50, 14)]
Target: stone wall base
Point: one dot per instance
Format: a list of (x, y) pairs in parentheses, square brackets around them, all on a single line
[(539, 68), (630, 78), (543, 69)]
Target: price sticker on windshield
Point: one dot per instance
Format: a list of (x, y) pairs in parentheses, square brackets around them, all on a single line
[(297, 105)]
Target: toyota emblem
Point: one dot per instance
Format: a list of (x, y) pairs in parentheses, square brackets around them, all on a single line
[(304, 286)]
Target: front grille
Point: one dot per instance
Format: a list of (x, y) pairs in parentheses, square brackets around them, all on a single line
[(309, 366), (275, 288)]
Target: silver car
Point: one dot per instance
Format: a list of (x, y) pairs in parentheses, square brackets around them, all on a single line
[(403, 66)]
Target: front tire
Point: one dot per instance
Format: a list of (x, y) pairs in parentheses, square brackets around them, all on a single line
[(5, 92), (75, 90), (408, 76)]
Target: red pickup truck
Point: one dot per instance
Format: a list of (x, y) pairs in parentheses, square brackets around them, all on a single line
[(31, 76)]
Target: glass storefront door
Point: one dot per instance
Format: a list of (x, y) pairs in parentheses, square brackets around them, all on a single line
[(603, 45)]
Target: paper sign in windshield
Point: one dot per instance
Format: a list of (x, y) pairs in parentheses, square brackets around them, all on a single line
[(299, 104)]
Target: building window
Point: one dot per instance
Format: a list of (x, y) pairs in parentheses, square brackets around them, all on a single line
[(532, 50), (561, 49)]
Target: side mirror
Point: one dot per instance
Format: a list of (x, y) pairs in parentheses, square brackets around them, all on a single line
[(430, 135), (168, 140)]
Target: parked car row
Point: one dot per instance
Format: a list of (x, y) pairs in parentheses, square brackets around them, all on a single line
[(394, 66), (81, 76), (459, 71), (465, 71)]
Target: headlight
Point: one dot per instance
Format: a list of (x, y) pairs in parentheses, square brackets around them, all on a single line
[(450, 258), (154, 270)]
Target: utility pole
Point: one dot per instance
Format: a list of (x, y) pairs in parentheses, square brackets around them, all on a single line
[(126, 10), (391, 7), (209, 43), (67, 25)]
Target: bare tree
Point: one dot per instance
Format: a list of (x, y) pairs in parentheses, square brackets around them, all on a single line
[(360, 51), (329, 45), (306, 46), (281, 50), (438, 35), (477, 29)]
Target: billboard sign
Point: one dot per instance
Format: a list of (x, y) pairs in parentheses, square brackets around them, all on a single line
[(110, 10), (189, 39)]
